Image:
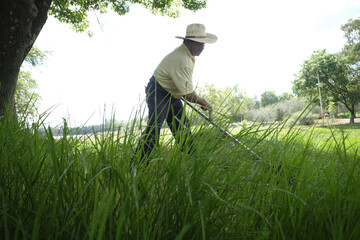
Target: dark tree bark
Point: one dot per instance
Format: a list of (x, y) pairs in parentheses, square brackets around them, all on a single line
[(352, 115), (20, 22)]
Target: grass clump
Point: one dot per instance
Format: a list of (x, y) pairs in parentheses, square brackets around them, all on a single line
[(81, 187)]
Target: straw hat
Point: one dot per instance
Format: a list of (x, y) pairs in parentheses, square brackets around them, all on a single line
[(197, 32)]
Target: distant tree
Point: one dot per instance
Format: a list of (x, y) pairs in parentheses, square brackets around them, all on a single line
[(339, 72), (21, 22), (26, 98), (231, 101), (35, 57), (257, 102), (334, 72), (352, 48), (280, 111), (268, 98), (285, 96)]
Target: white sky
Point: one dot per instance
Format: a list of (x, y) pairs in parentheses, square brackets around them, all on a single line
[(261, 45)]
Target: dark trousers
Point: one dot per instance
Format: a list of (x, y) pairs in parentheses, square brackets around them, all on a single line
[(162, 106)]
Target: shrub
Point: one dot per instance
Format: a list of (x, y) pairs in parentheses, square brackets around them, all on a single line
[(307, 118), (280, 110)]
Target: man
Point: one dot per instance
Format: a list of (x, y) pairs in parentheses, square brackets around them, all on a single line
[(171, 81)]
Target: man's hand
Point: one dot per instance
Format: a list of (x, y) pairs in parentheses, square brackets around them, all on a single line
[(205, 108), (194, 98)]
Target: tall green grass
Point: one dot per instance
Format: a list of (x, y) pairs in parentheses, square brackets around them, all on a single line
[(304, 187)]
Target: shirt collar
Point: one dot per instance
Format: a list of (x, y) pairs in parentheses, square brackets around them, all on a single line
[(188, 52)]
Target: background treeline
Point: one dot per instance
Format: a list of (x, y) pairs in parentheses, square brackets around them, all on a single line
[(233, 105), (106, 126), (236, 106)]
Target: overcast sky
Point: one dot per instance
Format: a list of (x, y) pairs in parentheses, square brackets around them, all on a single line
[(261, 45)]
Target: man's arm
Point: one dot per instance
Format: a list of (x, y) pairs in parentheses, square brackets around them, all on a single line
[(194, 98)]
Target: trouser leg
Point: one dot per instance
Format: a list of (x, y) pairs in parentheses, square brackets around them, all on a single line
[(180, 125), (158, 102)]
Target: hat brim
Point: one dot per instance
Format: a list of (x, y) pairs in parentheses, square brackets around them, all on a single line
[(210, 38)]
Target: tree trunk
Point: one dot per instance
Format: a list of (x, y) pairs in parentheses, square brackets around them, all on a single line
[(7, 90), (20, 22), (352, 116)]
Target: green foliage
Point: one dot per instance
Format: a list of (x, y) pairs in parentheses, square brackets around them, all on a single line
[(76, 12), (26, 98), (285, 96), (339, 72), (340, 84), (268, 98), (231, 103), (36, 57), (281, 111), (352, 33), (299, 118), (330, 69)]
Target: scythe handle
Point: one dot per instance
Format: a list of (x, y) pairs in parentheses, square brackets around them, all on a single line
[(209, 119)]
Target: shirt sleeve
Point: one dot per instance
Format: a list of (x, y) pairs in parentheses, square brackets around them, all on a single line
[(182, 78)]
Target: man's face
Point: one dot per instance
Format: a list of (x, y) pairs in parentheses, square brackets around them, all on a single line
[(196, 48)]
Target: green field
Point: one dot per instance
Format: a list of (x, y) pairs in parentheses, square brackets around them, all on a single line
[(304, 187)]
